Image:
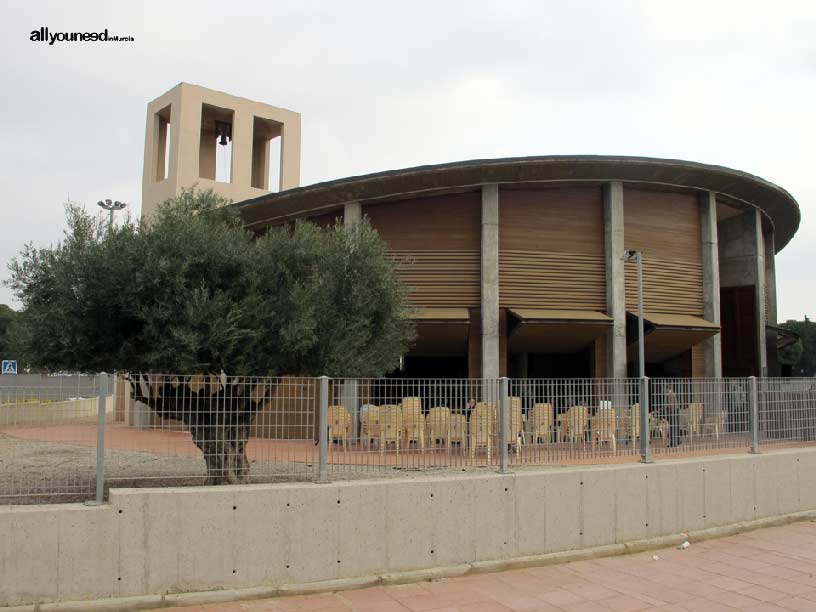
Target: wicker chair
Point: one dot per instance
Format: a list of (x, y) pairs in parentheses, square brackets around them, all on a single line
[(413, 423), (390, 426), (459, 430), (630, 422), (438, 426), (714, 424), (482, 428), (691, 419), (574, 423), (370, 427), (658, 426), (515, 434), (540, 423), (339, 424), (603, 428)]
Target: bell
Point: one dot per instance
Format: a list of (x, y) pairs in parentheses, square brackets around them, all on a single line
[(224, 132)]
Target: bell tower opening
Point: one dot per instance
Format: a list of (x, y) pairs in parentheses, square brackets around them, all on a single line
[(215, 149)]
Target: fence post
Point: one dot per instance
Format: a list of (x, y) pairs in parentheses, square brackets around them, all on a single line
[(644, 420), (323, 427), (503, 424), (102, 385), (753, 413)]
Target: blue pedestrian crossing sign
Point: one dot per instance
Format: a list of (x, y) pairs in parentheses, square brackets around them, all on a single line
[(9, 366)]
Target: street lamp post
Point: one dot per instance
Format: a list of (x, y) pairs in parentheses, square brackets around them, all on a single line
[(111, 207), (637, 257)]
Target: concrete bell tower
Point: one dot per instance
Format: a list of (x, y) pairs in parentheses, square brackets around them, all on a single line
[(198, 136)]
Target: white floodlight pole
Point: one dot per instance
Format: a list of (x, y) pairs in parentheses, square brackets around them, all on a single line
[(111, 207)]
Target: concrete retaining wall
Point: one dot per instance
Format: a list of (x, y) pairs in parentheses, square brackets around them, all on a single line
[(49, 413), (155, 541)]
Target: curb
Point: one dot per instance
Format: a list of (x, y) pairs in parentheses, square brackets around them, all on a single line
[(149, 602)]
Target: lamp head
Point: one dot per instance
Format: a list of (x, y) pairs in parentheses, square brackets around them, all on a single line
[(110, 205)]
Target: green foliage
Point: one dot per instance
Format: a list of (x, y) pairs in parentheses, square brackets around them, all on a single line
[(7, 319), (193, 291), (807, 334), (791, 354)]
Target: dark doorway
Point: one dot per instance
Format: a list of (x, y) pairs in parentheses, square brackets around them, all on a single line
[(738, 321), (569, 365), (454, 366), (678, 366)]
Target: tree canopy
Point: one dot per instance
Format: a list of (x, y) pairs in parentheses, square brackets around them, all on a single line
[(192, 290), (7, 319)]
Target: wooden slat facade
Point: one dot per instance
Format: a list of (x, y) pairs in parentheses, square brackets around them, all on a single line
[(665, 227), (697, 361), (440, 278), (328, 220), (436, 241), (551, 249)]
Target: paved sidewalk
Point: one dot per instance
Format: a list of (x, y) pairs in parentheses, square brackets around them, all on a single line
[(761, 571)]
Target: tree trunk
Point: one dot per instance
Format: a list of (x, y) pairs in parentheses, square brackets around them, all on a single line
[(218, 414), (224, 450)]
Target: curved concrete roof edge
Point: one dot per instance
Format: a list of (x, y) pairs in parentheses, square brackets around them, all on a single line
[(779, 205)]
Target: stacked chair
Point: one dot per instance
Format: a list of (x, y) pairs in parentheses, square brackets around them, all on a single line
[(413, 423), (438, 426), (339, 424), (603, 427), (459, 430), (482, 428), (390, 426), (540, 423), (691, 420), (574, 423), (370, 427), (515, 432)]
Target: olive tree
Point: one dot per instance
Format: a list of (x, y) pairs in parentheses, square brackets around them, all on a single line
[(193, 293)]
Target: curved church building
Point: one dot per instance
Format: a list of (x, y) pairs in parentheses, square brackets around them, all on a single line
[(516, 265)]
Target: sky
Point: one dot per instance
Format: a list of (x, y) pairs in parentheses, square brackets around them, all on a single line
[(385, 84)]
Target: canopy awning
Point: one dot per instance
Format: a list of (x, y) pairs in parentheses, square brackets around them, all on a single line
[(784, 337), (440, 331), (667, 335), (533, 330), (440, 314)]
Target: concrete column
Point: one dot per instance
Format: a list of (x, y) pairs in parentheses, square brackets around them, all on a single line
[(770, 277), (760, 288), (352, 213), (774, 367), (242, 126), (290, 154), (490, 281), (712, 347), (615, 283), (741, 247), (185, 138), (350, 399)]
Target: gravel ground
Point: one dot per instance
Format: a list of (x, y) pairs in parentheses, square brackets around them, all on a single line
[(34, 472)]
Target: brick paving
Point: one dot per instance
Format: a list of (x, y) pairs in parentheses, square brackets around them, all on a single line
[(769, 570)]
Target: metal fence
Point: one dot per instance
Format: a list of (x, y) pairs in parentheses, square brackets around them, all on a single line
[(175, 430), (48, 434)]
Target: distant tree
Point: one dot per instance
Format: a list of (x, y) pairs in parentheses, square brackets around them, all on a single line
[(791, 354), (7, 318), (193, 292), (807, 334)]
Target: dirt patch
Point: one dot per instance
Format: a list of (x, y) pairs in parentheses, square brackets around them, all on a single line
[(40, 472)]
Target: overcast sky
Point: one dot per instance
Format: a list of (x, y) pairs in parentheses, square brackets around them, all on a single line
[(383, 85)]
